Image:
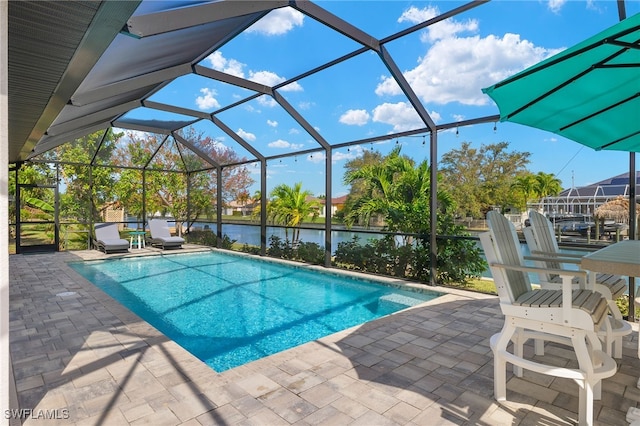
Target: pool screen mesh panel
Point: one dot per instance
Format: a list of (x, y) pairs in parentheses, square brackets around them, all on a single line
[(102, 61)]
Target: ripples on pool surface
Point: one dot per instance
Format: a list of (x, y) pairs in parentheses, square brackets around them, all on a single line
[(228, 310)]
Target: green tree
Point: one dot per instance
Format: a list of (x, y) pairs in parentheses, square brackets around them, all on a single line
[(290, 206), (174, 168), (88, 188), (525, 184), (357, 186), (547, 184), (396, 189), (401, 191), (481, 178)]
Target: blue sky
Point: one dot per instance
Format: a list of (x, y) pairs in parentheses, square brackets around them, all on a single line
[(446, 64)]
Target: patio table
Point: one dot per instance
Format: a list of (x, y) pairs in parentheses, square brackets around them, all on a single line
[(621, 258), (137, 239)]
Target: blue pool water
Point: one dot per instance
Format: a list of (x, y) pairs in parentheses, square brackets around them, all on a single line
[(228, 310)]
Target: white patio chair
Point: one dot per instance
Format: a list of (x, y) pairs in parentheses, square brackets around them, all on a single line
[(567, 316), (546, 254)]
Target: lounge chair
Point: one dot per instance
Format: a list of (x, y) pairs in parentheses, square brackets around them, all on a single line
[(568, 316), (161, 237), (546, 254), (108, 238)]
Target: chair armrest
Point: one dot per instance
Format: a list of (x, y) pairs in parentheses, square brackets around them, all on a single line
[(552, 258), (558, 254), (561, 272), (567, 282)]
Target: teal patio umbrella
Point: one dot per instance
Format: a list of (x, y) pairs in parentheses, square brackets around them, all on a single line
[(589, 93)]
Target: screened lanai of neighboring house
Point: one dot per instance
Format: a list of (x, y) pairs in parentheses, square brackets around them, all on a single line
[(584, 200)]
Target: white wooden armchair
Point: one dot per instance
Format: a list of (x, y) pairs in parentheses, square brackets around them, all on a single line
[(546, 254), (566, 316)]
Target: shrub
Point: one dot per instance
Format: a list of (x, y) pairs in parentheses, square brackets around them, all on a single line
[(458, 259), (305, 252), (310, 253), (207, 237)]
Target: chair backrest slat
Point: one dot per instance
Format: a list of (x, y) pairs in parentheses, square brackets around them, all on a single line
[(507, 251), (545, 239)]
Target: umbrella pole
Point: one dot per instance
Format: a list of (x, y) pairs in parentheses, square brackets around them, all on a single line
[(632, 230)]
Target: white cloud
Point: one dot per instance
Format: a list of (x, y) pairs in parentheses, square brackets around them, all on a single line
[(208, 99), (355, 117), (556, 5), (271, 79), (415, 15), (305, 105), (294, 131), (292, 87), (267, 78), (246, 135), (229, 66), (284, 144), (267, 101), (352, 153), (316, 157), (236, 68), (278, 22), (400, 115), (272, 123), (443, 29), (456, 69)]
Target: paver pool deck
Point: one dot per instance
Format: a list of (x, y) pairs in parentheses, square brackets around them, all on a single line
[(81, 357)]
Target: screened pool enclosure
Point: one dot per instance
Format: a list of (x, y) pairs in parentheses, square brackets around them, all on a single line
[(158, 109), (114, 124)]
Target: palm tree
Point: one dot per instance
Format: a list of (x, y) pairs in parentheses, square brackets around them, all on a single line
[(398, 190), (527, 184), (547, 184), (290, 206)]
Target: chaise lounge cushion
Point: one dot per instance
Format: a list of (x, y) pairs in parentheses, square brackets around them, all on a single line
[(108, 238), (160, 235)]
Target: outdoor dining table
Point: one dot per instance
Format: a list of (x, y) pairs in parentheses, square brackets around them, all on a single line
[(621, 258)]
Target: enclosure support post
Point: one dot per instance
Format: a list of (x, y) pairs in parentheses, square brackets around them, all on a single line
[(144, 199), (632, 229), (433, 208), (327, 206), (263, 207), (56, 208), (5, 364), (18, 195), (219, 206), (188, 201)]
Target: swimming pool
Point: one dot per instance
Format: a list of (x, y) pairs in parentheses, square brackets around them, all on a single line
[(229, 309)]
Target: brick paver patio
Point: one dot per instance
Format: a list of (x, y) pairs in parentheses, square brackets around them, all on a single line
[(84, 359)]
